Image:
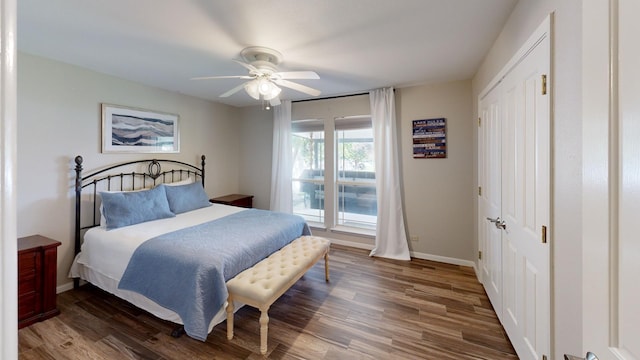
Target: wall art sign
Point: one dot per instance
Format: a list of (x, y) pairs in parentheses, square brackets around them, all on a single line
[(429, 138), (127, 129)]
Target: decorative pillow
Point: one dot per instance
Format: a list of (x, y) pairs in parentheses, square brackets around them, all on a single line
[(128, 208), (183, 198), (103, 220)]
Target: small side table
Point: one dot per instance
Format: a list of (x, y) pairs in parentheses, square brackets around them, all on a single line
[(37, 269), (240, 200)]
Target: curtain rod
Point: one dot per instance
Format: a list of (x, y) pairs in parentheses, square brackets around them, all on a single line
[(334, 97), (330, 97)]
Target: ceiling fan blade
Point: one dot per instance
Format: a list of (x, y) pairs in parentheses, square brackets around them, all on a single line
[(298, 75), (248, 66), (233, 91), (298, 87), (222, 77)]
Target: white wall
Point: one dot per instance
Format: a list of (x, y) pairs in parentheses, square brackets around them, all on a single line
[(566, 247), (441, 218), (59, 117)]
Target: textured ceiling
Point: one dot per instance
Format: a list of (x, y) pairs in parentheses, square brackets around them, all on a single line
[(354, 45)]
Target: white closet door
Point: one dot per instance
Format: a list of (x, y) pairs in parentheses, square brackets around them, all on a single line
[(514, 209), (526, 203)]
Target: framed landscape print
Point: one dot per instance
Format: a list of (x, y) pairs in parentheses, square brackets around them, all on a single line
[(133, 130)]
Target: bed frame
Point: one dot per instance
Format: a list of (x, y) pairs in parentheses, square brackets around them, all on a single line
[(114, 178)]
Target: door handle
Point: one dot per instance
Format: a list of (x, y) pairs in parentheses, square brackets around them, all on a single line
[(499, 223), (589, 356), (495, 221)]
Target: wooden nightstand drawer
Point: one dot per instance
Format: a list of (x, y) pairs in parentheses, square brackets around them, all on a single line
[(28, 305), (27, 283), (28, 268), (27, 262)]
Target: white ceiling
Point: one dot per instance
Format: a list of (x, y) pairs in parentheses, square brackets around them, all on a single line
[(354, 45)]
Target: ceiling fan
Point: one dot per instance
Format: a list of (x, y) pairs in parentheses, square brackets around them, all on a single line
[(264, 76)]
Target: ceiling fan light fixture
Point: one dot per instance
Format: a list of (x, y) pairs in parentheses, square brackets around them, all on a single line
[(265, 86), (251, 87), (273, 93)]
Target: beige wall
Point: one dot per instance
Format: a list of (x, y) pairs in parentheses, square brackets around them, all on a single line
[(441, 218), (438, 193), (59, 118), (255, 154), (565, 238)]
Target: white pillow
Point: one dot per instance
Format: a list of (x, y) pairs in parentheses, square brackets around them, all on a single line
[(186, 181)]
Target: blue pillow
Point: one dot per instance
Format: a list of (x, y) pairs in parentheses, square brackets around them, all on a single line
[(183, 198), (128, 208)]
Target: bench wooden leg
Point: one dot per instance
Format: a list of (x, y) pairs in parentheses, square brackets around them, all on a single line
[(264, 327), (230, 319), (326, 266)]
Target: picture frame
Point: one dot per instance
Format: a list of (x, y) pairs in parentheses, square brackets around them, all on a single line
[(135, 130), (430, 138)]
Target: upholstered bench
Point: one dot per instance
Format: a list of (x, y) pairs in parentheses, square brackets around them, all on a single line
[(261, 285)]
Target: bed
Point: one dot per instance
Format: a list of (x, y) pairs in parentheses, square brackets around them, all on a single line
[(151, 237)]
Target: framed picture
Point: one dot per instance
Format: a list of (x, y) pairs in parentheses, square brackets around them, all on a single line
[(126, 129), (430, 138)]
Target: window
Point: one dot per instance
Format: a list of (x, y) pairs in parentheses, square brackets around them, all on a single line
[(351, 182)]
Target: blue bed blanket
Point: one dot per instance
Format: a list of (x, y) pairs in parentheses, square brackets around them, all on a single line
[(186, 270)]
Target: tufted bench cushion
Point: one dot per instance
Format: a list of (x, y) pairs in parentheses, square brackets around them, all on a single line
[(261, 285)]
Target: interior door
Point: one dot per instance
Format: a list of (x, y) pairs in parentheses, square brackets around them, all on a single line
[(611, 179), (490, 198), (526, 203), (514, 206)]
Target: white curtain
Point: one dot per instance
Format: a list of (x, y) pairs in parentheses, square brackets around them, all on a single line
[(391, 237), (281, 167)]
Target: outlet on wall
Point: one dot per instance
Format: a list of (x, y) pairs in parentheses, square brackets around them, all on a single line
[(414, 238)]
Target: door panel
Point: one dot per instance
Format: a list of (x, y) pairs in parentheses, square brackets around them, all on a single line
[(490, 199), (525, 167)]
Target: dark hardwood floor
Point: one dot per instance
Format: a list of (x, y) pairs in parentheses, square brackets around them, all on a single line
[(372, 309)]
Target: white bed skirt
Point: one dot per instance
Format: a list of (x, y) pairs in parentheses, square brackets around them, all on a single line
[(110, 285)]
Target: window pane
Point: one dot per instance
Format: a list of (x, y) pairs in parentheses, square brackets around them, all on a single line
[(308, 200), (358, 206), (308, 175), (357, 203)]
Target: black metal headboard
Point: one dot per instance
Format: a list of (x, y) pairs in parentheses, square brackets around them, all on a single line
[(114, 178)]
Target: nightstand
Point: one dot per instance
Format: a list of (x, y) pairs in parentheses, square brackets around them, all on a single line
[(235, 200), (37, 269)]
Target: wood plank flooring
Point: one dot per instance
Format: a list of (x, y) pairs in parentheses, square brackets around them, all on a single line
[(372, 309)]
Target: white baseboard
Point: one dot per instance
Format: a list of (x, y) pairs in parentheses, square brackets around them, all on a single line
[(415, 254), (442, 259), (477, 271), (64, 287), (352, 244)]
